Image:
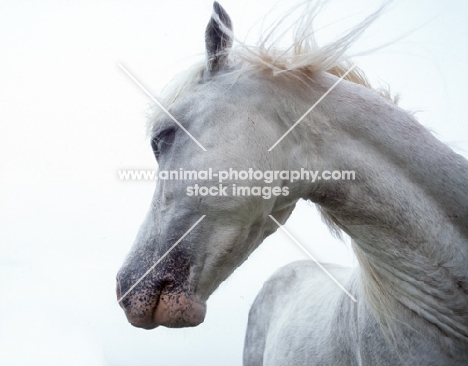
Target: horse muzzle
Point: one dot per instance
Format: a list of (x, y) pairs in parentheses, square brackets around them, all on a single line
[(147, 307)]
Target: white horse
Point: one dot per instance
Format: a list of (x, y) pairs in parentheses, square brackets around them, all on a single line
[(406, 210)]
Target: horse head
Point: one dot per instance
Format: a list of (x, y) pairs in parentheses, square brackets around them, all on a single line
[(222, 125)]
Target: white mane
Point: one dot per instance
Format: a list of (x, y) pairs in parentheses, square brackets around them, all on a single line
[(296, 62)]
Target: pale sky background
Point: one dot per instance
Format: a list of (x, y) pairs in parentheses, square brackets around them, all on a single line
[(70, 118)]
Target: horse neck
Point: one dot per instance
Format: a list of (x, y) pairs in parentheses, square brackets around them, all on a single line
[(406, 210)]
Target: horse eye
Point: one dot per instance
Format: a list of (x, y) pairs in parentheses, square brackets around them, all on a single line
[(162, 141)]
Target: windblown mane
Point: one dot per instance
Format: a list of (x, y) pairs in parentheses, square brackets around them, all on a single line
[(297, 61)]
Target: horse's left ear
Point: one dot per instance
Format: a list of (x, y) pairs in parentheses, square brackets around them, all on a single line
[(218, 39)]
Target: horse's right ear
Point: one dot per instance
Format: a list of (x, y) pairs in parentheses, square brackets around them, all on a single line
[(218, 39)]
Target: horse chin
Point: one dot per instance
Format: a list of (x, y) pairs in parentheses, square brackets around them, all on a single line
[(179, 310)]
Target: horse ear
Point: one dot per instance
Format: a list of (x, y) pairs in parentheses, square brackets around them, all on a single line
[(218, 39)]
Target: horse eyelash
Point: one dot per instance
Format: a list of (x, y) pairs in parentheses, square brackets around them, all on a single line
[(160, 137)]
